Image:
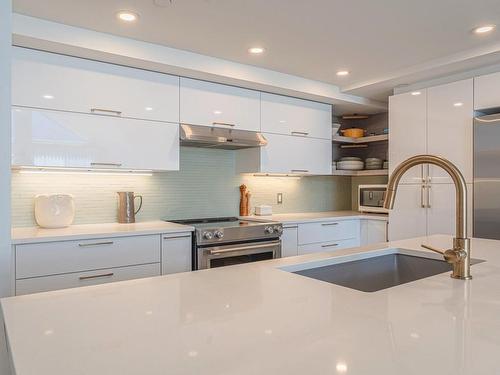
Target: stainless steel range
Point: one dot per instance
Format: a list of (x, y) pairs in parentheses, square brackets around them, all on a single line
[(226, 241)]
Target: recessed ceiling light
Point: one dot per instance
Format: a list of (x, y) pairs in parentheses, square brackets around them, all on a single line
[(217, 112), (484, 29), (148, 108), (458, 104), (47, 96), (256, 50), (414, 93), (127, 16), (343, 73)]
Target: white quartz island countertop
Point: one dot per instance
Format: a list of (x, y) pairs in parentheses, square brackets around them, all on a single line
[(84, 231), (305, 217), (259, 319)]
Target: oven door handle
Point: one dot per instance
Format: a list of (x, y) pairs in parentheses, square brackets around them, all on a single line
[(243, 248)]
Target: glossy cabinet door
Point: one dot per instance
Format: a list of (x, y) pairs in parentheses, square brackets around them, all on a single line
[(44, 138), (441, 209), (408, 219), (450, 128), (291, 116), (407, 132), (212, 104), (293, 154), (176, 253), (289, 243), (52, 81), (487, 91)]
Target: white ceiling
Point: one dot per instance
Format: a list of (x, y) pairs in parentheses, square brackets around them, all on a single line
[(383, 43)]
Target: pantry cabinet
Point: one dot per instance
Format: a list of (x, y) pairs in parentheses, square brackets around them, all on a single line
[(212, 104), (292, 116), (487, 91), (287, 154), (53, 81), (46, 138)]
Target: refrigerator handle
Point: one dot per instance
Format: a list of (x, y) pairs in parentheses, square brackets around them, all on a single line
[(422, 193), (428, 196)]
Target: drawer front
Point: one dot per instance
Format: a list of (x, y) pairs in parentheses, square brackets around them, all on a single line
[(328, 231), (75, 280), (53, 258), (327, 246)]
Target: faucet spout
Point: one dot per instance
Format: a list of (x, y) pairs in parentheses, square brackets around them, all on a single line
[(461, 242)]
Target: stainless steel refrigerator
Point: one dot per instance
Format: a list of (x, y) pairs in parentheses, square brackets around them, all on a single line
[(487, 176)]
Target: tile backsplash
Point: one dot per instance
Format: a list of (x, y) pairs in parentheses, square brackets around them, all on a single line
[(206, 185)]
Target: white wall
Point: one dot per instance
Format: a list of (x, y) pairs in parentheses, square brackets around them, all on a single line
[(5, 249)]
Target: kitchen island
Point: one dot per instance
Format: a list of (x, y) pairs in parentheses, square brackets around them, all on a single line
[(260, 319)]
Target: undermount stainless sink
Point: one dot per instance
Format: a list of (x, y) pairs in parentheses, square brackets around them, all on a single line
[(374, 271)]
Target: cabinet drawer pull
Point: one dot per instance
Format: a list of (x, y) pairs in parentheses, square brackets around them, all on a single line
[(96, 244), (223, 124), (106, 111), (96, 276), (300, 133), (106, 164), (330, 245), (299, 170), (329, 224), (169, 238)]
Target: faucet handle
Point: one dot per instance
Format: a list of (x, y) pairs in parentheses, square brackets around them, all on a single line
[(449, 255)]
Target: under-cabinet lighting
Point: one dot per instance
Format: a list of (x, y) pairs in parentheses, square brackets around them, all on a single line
[(415, 93), (288, 175), (60, 170)]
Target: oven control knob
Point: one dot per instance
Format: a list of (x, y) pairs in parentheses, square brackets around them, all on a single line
[(219, 234), (278, 229), (269, 230), (208, 235)]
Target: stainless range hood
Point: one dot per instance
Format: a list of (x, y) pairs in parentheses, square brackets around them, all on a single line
[(214, 137)]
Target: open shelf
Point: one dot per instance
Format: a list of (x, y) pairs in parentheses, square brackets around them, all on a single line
[(369, 139), (365, 172)]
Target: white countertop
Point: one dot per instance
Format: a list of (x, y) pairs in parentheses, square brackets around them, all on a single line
[(88, 231), (304, 217), (258, 319)]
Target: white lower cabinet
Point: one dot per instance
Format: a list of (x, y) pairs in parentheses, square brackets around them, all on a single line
[(176, 253), (373, 231), (56, 265), (75, 280), (289, 241)]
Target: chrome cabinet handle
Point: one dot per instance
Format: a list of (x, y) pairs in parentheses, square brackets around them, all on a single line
[(96, 244), (223, 124), (330, 245), (106, 111), (96, 276), (299, 170), (428, 196), (329, 224), (169, 238), (243, 248), (106, 164), (299, 133), (422, 193)]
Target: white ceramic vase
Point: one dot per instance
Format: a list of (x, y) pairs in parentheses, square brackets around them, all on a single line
[(54, 210)]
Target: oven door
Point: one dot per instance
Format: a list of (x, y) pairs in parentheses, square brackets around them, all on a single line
[(226, 255)]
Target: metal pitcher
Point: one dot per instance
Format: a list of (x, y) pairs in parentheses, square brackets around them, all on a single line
[(126, 206)]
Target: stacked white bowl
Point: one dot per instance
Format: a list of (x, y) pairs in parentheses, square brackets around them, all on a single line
[(373, 163), (350, 163)]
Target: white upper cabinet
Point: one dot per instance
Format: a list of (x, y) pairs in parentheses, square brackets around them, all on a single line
[(287, 154), (213, 104), (450, 127), (487, 91), (51, 81), (291, 116), (407, 131), (46, 138)]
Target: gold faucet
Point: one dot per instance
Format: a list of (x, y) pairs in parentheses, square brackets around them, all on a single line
[(459, 256)]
